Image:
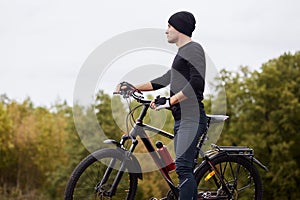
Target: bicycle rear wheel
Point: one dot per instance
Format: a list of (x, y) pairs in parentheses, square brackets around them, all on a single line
[(239, 174), (85, 180)]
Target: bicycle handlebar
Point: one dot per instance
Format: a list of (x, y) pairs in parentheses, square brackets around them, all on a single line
[(138, 98), (127, 90)]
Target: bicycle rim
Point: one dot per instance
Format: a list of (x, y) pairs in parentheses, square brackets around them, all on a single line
[(85, 180), (240, 176)]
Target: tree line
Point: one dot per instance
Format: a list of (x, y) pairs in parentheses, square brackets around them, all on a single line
[(39, 146)]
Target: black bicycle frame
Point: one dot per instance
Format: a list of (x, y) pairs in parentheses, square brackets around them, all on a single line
[(139, 130)]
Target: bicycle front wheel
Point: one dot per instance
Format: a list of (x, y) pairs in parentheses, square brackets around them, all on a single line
[(238, 174), (93, 179)]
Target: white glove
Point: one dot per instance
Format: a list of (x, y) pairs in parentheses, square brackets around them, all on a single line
[(161, 103)]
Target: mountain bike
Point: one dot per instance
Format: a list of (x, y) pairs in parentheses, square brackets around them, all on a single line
[(224, 172)]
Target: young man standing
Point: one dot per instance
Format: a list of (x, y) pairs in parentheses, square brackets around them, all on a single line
[(186, 79)]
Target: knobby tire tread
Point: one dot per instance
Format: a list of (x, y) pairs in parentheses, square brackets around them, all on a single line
[(89, 160)]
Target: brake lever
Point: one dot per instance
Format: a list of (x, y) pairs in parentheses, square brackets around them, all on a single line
[(137, 97)]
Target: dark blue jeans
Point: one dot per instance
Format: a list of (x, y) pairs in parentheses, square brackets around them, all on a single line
[(187, 134)]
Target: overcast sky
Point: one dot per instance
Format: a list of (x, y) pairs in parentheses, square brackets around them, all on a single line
[(44, 43)]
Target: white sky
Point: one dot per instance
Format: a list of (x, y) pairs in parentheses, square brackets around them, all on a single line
[(44, 43)]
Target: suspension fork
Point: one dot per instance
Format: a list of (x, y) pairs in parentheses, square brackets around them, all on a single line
[(106, 174), (121, 170), (117, 179)]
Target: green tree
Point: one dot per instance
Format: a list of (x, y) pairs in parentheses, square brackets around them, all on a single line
[(277, 97), (36, 150), (264, 110), (6, 145)]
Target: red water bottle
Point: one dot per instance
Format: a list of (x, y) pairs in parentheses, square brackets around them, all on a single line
[(165, 156)]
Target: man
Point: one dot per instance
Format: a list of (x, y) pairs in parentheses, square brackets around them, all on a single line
[(187, 79)]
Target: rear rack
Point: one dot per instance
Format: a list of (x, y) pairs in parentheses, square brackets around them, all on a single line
[(234, 150)]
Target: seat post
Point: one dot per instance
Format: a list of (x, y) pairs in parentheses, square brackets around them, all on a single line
[(202, 140)]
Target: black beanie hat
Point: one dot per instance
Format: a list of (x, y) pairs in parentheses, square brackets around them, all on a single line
[(184, 22)]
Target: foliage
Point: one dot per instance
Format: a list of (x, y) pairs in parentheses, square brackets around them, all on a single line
[(264, 113)]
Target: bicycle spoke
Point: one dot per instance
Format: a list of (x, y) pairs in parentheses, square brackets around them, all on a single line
[(94, 178), (236, 176)]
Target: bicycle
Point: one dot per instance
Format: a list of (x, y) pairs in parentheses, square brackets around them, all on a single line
[(226, 172)]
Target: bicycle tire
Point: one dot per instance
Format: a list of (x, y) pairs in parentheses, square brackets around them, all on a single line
[(239, 174), (89, 172)]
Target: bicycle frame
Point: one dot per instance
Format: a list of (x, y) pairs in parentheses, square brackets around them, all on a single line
[(139, 130)]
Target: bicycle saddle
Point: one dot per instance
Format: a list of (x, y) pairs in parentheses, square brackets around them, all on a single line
[(217, 118)]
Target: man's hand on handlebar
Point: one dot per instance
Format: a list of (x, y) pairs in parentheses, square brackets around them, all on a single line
[(128, 90), (125, 89), (160, 103)]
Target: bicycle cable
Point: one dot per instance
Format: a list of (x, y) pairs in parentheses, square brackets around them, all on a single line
[(130, 117)]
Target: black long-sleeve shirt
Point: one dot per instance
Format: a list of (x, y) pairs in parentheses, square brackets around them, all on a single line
[(187, 74)]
